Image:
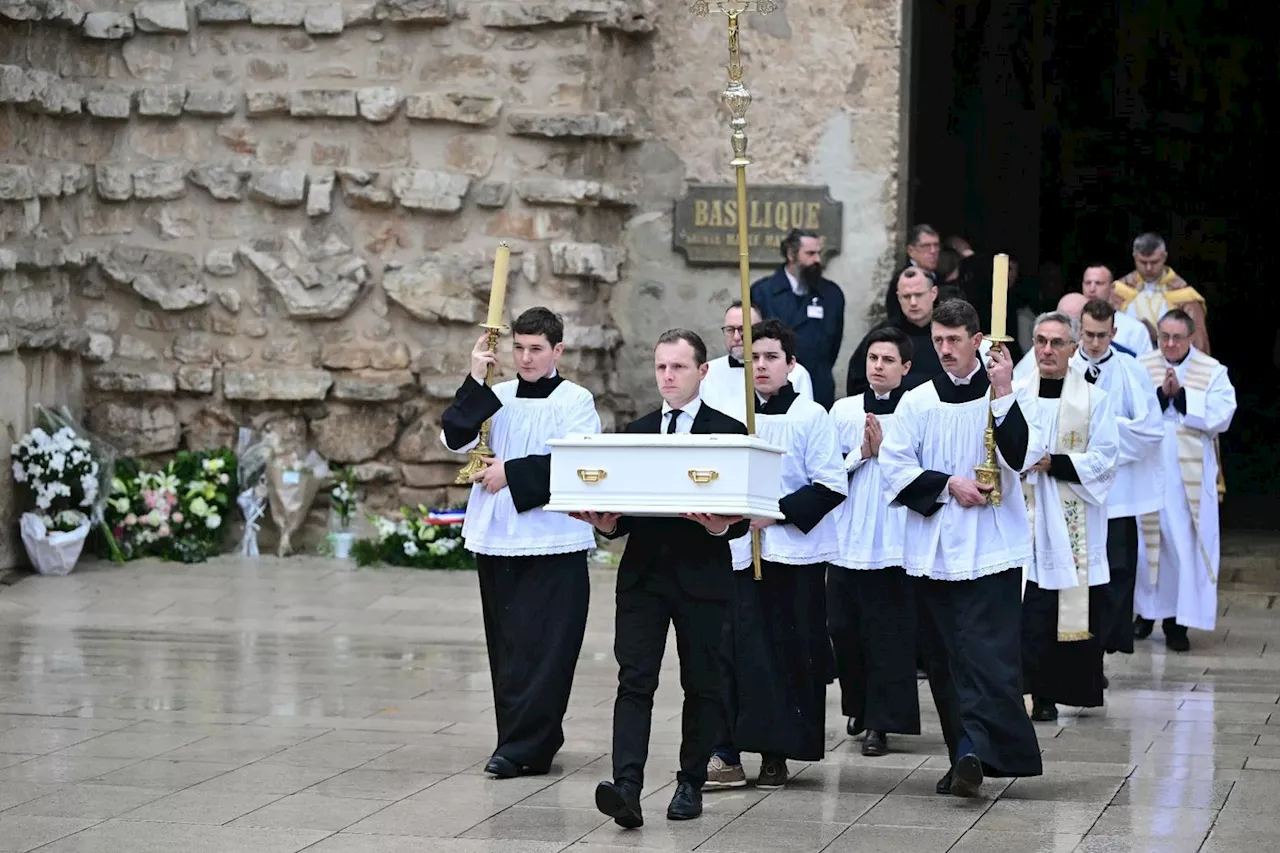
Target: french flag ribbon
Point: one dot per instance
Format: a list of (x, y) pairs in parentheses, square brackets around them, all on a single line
[(446, 517)]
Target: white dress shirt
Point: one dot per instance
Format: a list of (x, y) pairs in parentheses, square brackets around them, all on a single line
[(684, 421)]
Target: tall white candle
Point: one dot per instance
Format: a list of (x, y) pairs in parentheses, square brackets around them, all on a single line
[(999, 295), (498, 292)]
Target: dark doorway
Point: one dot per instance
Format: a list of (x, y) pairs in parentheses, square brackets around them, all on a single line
[(1058, 131)]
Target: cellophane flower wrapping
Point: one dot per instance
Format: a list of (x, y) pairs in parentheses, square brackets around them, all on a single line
[(54, 542), (66, 467), (292, 485), (254, 453)]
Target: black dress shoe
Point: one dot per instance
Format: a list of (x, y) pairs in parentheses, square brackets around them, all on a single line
[(1142, 628), (686, 804), (944, 784), (502, 768), (876, 744), (966, 776), (853, 728), (1175, 636), (620, 802), (1043, 711)]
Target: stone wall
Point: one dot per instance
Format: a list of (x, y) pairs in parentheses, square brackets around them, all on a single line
[(283, 212)]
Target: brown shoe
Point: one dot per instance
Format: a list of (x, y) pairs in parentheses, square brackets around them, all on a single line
[(721, 775)]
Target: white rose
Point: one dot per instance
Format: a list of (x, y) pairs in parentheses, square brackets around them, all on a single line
[(410, 549), (213, 522)]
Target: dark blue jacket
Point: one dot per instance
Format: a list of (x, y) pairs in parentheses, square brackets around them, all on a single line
[(817, 340)]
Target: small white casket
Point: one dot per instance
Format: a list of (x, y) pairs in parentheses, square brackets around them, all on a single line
[(647, 474)]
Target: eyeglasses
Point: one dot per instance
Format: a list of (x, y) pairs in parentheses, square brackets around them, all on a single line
[(1053, 343), (731, 330), (1171, 339), (929, 247)]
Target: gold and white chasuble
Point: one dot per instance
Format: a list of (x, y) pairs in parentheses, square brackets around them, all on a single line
[(1069, 519)]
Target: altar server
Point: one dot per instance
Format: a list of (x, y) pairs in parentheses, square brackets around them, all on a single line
[(778, 652), (675, 571), (1136, 490), (870, 608), (1198, 401), (965, 554), (1065, 602), (532, 564), (724, 387)]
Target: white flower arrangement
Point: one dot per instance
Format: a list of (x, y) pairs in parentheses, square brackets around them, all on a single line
[(60, 469)]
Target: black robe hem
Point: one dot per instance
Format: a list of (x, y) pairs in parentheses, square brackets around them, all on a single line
[(1066, 673)]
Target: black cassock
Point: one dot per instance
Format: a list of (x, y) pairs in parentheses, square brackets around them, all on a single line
[(777, 651), (1066, 673), (1122, 555), (970, 631), (871, 614), (535, 607)]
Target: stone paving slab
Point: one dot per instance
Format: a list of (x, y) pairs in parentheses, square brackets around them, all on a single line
[(290, 705)]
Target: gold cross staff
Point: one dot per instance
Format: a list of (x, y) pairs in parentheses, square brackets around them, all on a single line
[(736, 99)]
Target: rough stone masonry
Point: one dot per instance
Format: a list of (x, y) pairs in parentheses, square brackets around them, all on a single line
[(283, 213)]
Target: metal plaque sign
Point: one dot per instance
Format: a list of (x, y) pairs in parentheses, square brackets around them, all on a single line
[(706, 221)]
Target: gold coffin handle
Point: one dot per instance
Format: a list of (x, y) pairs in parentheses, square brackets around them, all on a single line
[(702, 476), (591, 475)]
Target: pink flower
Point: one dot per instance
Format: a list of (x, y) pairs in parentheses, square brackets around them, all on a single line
[(171, 497), (149, 498), (130, 520), (177, 518), (163, 531)]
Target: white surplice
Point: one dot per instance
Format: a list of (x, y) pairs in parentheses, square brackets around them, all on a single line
[(808, 435), (958, 543), (1053, 564), (522, 427), (1132, 334), (872, 530), (724, 389), (1187, 584), (1138, 488)]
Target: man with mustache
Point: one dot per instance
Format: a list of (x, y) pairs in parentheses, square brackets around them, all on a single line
[(965, 556), (800, 297)]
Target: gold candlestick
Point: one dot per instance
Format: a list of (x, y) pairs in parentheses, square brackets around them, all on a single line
[(988, 473), (493, 325), (736, 99)]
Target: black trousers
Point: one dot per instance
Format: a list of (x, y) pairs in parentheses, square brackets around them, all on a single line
[(872, 619), (644, 613), (1122, 554), (535, 615), (1067, 673), (971, 632)]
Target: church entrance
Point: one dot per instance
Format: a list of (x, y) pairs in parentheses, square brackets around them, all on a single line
[(1058, 131)]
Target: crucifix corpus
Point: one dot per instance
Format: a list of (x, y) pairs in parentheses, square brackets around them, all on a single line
[(736, 99)]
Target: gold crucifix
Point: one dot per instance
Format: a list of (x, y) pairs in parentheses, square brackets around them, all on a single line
[(736, 99), (1072, 440)]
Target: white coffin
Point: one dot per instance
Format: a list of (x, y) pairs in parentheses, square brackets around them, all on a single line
[(666, 474)]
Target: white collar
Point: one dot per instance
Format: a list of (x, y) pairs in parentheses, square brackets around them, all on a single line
[(881, 397), (690, 409), (967, 379), (796, 287)]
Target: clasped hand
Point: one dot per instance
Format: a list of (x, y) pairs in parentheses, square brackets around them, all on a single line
[(967, 491), (872, 436)]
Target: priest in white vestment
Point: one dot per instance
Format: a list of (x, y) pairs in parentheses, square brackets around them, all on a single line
[(1137, 489), (532, 564), (965, 553), (778, 653), (870, 608), (724, 387), (1064, 604), (1180, 583)]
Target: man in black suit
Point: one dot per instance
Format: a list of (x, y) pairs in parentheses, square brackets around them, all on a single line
[(674, 571)]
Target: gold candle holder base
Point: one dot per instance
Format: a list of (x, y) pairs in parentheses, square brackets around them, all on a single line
[(482, 451), (988, 473)]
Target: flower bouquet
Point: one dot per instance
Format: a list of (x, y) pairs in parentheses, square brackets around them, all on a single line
[(176, 513), (292, 484), (342, 505), (422, 539), (63, 472), (253, 456)]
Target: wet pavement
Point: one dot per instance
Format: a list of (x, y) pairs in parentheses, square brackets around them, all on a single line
[(303, 705)]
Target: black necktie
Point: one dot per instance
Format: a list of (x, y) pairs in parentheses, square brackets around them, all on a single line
[(671, 424)]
